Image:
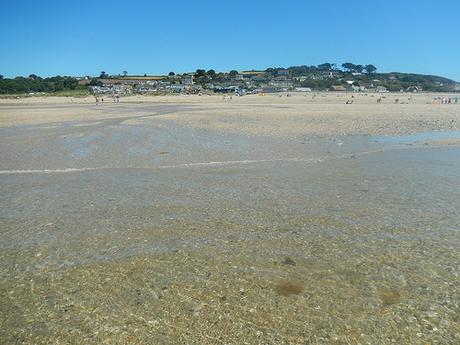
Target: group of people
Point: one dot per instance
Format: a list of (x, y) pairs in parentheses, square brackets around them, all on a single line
[(444, 100), (115, 99)]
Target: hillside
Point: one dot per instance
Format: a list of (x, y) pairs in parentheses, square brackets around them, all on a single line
[(323, 77)]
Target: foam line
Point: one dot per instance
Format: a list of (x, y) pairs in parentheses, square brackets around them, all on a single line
[(46, 171), (190, 165)]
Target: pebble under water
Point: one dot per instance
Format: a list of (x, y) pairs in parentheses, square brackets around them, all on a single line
[(154, 233)]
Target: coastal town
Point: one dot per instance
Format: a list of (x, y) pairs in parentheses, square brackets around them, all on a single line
[(348, 77), (324, 77)]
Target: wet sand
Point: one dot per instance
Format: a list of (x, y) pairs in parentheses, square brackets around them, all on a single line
[(260, 220)]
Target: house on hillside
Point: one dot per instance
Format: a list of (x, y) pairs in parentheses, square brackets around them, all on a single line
[(145, 89), (175, 78), (122, 89), (282, 73), (329, 74), (176, 88), (100, 89), (146, 86), (301, 78), (303, 89), (283, 84), (187, 79), (163, 84), (267, 90), (226, 89), (257, 79), (357, 88), (315, 77), (110, 88)]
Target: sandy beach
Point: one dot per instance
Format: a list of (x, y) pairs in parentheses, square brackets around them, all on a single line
[(255, 220), (271, 114)]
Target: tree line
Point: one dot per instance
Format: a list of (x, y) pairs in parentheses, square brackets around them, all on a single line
[(35, 84), (363, 75), (347, 67)]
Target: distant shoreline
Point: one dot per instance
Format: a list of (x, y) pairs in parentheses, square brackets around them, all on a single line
[(178, 95)]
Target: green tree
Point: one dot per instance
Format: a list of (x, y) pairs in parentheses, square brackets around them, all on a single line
[(1, 76), (125, 73), (103, 75), (171, 74), (370, 69), (221, 77), (200, 73), (200, 77), (211, 74), (233, 73), (36, 84), (349, 67), (325, 66), (95, 82)]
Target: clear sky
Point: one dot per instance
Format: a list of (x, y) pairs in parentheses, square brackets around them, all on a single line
[(80, 37)]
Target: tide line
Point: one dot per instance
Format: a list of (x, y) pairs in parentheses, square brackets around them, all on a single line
[(190, 165)]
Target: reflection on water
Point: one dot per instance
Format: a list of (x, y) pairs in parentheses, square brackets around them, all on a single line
[(346, 249)]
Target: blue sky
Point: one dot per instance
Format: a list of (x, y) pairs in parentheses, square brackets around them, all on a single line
[(86, 37)]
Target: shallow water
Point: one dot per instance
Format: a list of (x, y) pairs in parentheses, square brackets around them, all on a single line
[(419, 137), (369, 222)]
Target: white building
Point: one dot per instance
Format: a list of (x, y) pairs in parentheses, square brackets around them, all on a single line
[(303, 89), (187, 79)]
